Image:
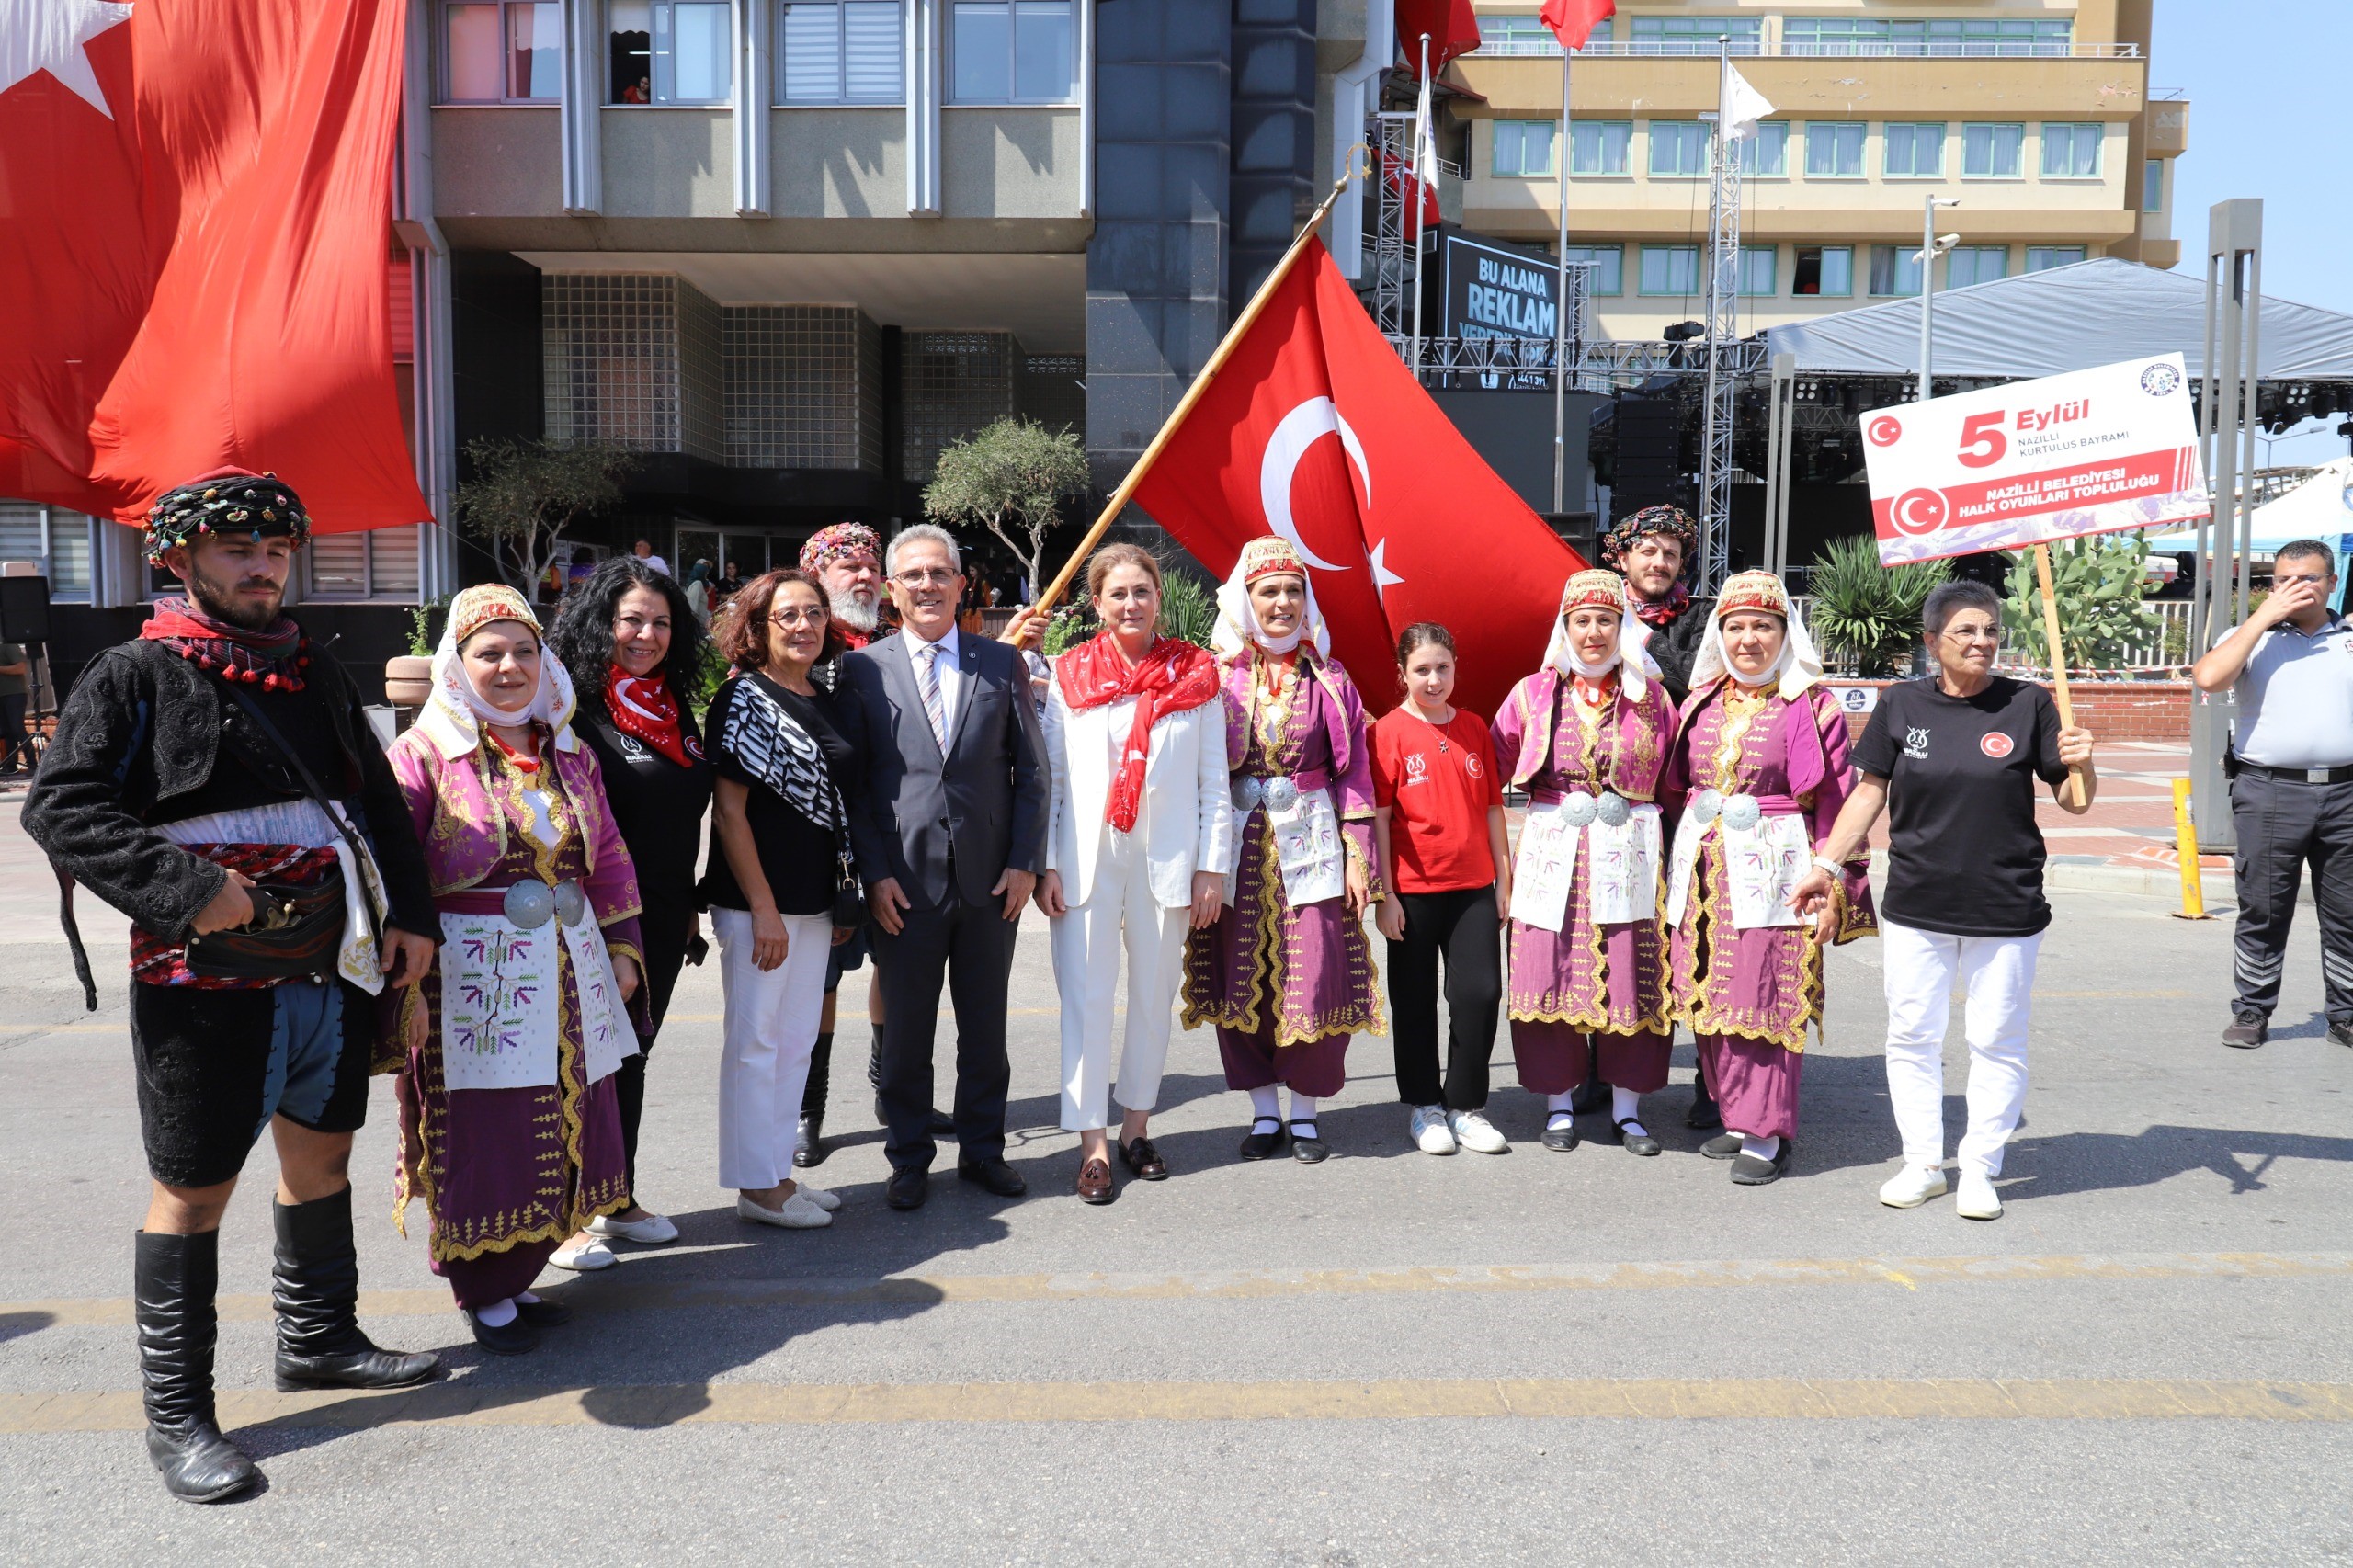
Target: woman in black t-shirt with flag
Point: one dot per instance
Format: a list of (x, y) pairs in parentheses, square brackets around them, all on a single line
[(1953, 759)]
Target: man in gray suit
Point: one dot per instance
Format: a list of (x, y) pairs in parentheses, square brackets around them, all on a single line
[(950, 832)]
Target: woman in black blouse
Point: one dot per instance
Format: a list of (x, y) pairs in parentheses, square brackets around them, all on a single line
[(786, 766), (635, 652)]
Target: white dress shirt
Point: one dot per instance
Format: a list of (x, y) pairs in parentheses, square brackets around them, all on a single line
[(952, 676)]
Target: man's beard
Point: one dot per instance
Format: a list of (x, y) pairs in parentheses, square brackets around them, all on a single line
[(850, 612), (219, 602)]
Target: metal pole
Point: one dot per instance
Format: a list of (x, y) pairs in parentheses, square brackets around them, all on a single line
[(2244, 531), (1560, 305), (2210, 420), (1927, 294), (1421, 132), (1777, 472)]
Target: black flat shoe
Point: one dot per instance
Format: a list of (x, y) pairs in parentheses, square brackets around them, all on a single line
[(907, 1189), (1143, 1161), (1634, 1142), (808, 1142), (517, 1337), (542, 1313), (1750, 1171), (993, 1176), (1704, 1115), (941, 1125), (1561, 1137), (1723, 1146), (1262, 1145), (1308, 1149)]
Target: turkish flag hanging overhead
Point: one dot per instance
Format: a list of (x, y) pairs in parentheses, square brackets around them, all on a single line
[(1315, 431), (1573, 21), (195, 210), (1452, 25)]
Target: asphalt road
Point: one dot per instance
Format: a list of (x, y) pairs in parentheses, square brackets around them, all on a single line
[(1387, 1357)]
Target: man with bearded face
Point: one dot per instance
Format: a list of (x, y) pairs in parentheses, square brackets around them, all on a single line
[(183, 787)]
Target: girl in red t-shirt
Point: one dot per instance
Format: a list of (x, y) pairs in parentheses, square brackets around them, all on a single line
[(1439, 822)]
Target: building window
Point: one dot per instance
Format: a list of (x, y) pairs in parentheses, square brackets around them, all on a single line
[(1696, 35), (2071, 151), (1766, 155), (1607, 274), (1976, 264), (55, 541), (1599, 146), (1834, 149), (1993, 151), (1760, 271), (834, 52), (1670, 269), (1527, 34), (2152, 186), (1678, 149), (1915, 151), (1011, 52), (377, 563), (2042, 258), (1524, 146), (503, 53), (1824, 270), (1896, 270), (1840, 36), (670, 51)]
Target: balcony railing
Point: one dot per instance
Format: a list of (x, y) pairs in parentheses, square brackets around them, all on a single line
[(1987, 48)]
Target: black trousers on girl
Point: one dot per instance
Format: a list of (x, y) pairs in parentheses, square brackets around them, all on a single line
[(1460, 927)]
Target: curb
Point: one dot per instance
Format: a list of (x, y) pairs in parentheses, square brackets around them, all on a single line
[(2099, 875)]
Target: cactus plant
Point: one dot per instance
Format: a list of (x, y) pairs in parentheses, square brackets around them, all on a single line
[(2098, 581)]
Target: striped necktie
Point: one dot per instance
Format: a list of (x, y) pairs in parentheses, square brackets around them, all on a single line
[(935, 705)]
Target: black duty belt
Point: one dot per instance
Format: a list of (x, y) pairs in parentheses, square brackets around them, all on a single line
[(2300, 775)]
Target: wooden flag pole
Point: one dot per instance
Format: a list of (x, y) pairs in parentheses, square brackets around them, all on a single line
[(1193, 394), (2058, 664)]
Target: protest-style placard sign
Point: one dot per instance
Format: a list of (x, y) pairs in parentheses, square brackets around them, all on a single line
[(2014, 467)]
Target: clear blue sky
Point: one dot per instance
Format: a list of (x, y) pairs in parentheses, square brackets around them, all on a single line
[(2267, 93)]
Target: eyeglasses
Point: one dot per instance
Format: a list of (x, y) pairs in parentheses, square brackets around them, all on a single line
[(813, 616), (1992, 634), (2316, 579), (927, 577)]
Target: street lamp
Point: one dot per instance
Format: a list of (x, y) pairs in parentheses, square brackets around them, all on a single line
[(1932, 246)]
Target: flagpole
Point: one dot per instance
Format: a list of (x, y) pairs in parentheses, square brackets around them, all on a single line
[(1423, 184), (1193, 394), (1561, 302)]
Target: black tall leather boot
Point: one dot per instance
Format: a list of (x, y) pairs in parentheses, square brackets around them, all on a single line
[(316, 1285), (809, 1135), (174, 1285)]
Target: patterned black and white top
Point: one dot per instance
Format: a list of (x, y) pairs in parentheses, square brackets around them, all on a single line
[(794, 757)]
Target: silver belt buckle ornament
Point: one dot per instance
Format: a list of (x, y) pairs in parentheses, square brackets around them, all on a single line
[(1706, 807), (2317, 775), (1743, 812), (1283, 793), (570, 903), (529, 906), (1577, 810), (1613, 810), (1248, 792)]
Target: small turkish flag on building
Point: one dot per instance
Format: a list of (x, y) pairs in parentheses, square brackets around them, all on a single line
[(197, 208), (1313, 430), (1573, 21)]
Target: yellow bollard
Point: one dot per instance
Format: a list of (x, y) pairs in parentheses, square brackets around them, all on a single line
[(2185, 838)]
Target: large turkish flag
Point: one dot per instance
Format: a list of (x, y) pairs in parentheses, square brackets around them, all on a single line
[(1314, 431), (195, 210)]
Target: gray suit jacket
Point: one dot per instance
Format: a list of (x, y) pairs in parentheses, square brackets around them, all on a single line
[(987, 799)]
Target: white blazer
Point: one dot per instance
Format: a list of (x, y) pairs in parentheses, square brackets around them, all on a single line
[(1185, 823)]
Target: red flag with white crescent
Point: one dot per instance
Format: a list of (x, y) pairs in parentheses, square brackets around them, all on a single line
[(1315, 431)]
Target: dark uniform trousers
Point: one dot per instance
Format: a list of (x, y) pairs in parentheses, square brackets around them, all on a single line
[(2283, 823)]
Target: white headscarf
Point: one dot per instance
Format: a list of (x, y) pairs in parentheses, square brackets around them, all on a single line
[(1237, 619), (1598, 589), (454, 715), (1798, 666)]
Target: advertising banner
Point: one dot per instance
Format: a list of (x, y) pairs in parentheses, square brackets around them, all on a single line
[(2092, 451)]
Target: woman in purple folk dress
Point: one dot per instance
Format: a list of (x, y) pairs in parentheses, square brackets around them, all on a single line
[(1754, 780), (1586, 737), (1285, 972), (507, 1053)]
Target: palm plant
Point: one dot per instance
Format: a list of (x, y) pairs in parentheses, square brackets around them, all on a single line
[(1867, 611)]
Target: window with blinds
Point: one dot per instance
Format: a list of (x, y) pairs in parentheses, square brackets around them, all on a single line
[(840, 51), (57, 542), (378, 564)]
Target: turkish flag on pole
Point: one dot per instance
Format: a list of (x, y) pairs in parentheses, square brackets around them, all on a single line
[(1573, 21), (192, 252), (1315, 431), (1452, 25)]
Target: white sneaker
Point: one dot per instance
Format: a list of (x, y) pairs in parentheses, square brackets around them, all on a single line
[(1911, 1186), (1978, 1200), (654, 1231), (583, 1255), (1428, 1128), (816, 1194), (1476, 1134), (798, 1213)]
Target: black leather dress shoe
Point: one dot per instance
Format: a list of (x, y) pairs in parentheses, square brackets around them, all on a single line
[(515, 1337), (1143, 1161), (1704, 1114), (1561, 1137), (943, 1125), (542, 1313), (907, 1189), (994, 1176), (1261, 1146), (808, 1142), (1635, 1143)]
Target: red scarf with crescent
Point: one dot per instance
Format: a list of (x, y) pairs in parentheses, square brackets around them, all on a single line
[(641, 707), (1175, 677)]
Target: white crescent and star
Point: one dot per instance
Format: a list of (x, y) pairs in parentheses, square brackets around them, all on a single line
[(1305, 425), (50, 35)]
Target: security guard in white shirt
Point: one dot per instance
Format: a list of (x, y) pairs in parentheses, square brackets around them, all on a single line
[(2290, 663)]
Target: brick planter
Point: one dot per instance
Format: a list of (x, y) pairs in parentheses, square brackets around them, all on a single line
[(2111, 709)]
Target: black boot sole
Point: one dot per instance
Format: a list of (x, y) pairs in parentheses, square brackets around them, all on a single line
[(331, 1377)]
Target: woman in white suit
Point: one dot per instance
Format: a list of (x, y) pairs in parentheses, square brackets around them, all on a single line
[(1139, 842)]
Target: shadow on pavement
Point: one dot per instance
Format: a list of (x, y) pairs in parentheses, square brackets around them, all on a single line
[(2099, 1162)]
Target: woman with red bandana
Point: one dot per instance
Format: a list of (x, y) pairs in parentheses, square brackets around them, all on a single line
[(634, 649), (1138, 842)]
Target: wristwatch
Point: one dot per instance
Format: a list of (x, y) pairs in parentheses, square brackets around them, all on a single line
[(1824, 863)]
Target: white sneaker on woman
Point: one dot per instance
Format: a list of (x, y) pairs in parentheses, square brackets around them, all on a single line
[(584, 1254), (1476, 1134), (798, 1213), (1911, 1186), (1977, 1198), (816, 1194), (1426, 1127), (654, 1231)]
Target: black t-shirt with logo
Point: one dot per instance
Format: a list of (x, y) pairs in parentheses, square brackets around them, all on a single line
[(1964, 856)]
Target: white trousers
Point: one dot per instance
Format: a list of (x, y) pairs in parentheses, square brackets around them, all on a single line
[(1119, 911), (1998, 975), (764, 1054)]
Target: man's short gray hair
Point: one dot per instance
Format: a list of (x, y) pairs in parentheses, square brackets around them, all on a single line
[(922, 533)]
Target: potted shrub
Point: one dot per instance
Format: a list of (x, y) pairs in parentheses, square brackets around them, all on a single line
[(408, 677)]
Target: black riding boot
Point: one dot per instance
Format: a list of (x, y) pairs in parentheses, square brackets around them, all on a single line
[(809, 1136), (174, 1285), (317, 1290)]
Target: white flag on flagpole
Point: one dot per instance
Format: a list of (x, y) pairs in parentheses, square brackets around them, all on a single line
[(1425, 141), (1744, 105)]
